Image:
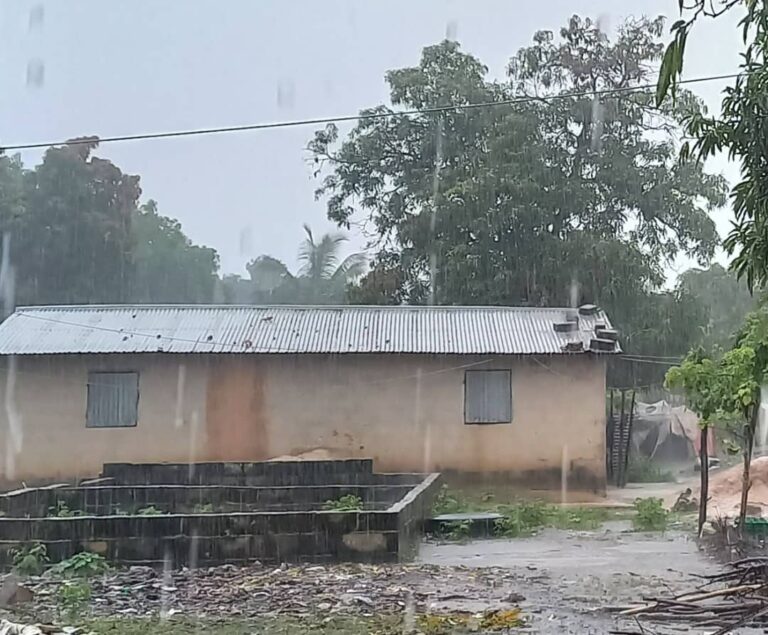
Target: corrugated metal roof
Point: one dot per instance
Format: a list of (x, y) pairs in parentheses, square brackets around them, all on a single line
[(291, 329)]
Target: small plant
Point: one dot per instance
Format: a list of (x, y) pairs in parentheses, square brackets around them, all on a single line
[(650, 515), (73, 598), (30, 560), (346, 503), (62, 510), (150, 510), (456, 530), (203, 508), (447, 502), (82, 565), (642, 469)]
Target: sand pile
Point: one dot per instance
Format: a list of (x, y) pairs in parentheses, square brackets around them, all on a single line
[(725, 490)]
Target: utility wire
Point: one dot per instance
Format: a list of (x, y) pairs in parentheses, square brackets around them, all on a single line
[(367, 116)]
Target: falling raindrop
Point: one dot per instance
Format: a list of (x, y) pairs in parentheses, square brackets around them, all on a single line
[(285, 93), (35, 73), (15, 427), (596, 140), (180, 383), (564, 476), (451, 30), (433, 217), (246, 241), (36, 17)]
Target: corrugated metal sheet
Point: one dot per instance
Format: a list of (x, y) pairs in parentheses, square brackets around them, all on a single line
[(290, 329), (487, 396)]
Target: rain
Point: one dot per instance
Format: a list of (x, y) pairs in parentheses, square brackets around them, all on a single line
[(413, 318)]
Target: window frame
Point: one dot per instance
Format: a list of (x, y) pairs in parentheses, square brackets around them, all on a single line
[(88, 383), (508, 373)]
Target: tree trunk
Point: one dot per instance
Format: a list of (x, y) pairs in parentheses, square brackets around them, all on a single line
[(749, 441), (704, 463)]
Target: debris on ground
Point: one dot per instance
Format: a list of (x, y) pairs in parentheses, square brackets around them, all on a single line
[(13, 628), (255, 590), (732, 599)]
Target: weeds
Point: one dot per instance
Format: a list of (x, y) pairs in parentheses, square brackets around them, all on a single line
[(203, 508), (62, 510), (524, 519), (643, 470), (73, 598), (149, 510), (30, 559), (82, 565), (650, 515), (457, 530), (346, 503), (447, 502)]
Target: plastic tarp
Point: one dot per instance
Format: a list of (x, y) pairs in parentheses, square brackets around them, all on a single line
[(666, 433)]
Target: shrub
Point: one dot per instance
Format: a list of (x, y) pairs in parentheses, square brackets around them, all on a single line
[(73, 598), (650, 515), (30, 559), (346, 503), (150, 510), (82, 565)]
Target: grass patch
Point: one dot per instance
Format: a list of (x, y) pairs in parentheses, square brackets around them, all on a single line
[(524, 519), (643, 470), (346, 503)]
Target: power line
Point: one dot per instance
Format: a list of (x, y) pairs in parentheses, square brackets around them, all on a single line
[(359, 117)]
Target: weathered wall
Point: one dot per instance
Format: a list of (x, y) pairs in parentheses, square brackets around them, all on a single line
[(407, 412)]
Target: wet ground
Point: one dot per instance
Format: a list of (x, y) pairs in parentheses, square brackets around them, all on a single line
[(570, 578), (564, 582)]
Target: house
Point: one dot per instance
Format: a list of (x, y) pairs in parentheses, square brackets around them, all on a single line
[(513, 392)]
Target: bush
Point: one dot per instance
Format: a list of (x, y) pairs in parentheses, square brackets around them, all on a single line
[(650, 515), (82, 565), (446, 502), (150, 510), (30, 560), (73, 598), (346, 503)]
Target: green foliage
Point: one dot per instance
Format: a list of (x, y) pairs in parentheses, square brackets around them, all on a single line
[(650, 515), (322, 278), (456, 530), (82, 565), (74, 597), (78, 235), (30, 559), (346, 503), (536, 203), (149, 510), (62, 510), (524, 519), (448, 502), (739, 130), (203, 508), (168, 266), (643, 470)]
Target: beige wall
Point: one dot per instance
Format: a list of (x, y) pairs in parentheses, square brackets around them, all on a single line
[(405, 411)]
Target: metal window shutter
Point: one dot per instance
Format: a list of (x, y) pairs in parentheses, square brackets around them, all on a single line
[(488, 396), (113, 400)]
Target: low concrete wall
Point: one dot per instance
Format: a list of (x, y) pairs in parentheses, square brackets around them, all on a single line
[(210, 539), (108, 500)]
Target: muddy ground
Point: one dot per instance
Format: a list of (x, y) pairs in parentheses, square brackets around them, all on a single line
[(563, 582)]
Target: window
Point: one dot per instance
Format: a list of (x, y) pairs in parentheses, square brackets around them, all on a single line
[(113, 400), (487, 396)]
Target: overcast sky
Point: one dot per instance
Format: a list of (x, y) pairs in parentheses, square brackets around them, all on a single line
[(132, 66)]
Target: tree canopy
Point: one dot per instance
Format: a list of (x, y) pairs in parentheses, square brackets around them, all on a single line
[(582, 198)]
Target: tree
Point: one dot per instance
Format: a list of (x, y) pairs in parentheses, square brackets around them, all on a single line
[(739, 130), (578, 199), (321, 279), (728, 390), (725, 300), (75, 243), (168, 266)]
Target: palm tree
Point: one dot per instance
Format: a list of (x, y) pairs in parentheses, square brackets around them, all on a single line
[(321, 279)]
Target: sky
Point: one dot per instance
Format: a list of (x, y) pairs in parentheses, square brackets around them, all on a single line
[(88, 67)]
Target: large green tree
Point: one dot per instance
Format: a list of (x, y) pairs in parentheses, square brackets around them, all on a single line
[(552, 199), (168, 266), (74, 243)]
